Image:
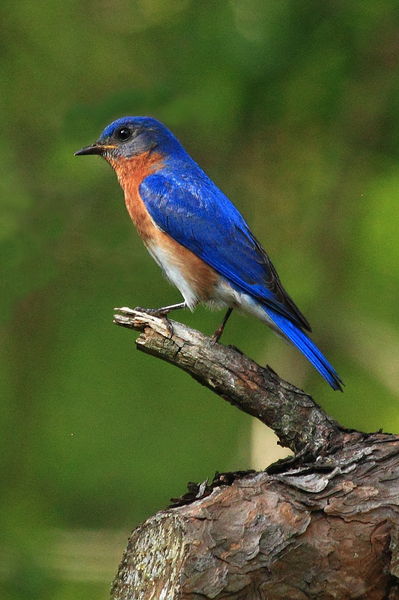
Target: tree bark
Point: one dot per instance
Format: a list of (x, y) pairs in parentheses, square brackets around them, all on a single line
[(321, 525)]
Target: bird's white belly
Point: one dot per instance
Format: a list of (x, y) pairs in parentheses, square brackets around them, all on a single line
[(223, 294), (174, 273)]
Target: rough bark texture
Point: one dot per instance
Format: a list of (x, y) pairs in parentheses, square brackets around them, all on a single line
[(323, 525)]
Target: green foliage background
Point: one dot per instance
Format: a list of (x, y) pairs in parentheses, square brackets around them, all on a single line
[(291, 106)]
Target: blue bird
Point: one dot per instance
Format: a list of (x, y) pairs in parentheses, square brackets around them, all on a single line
[(197, 236)]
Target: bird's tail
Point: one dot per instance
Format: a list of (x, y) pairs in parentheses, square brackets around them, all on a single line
[(297, 337)]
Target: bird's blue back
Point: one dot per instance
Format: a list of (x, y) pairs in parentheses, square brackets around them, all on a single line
[(185, 203)]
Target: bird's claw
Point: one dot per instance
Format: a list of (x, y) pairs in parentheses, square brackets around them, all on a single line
[(158, 312), (215, 338), (154, 312), (170, 327)]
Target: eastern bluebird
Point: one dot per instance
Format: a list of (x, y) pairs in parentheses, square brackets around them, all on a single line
[(196, 235)]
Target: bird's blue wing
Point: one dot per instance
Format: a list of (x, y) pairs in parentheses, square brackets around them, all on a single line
[(195, 213)]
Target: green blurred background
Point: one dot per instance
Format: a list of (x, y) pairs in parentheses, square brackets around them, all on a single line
[(292, 108)]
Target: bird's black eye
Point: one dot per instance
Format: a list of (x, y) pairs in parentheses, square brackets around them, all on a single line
[(123, 133)]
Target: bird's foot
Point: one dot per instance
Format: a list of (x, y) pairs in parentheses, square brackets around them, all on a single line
[(154, 312), (218, 333), (161, 313)]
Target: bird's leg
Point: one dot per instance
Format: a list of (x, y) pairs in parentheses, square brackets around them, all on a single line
[(163, 311), (218, 333)]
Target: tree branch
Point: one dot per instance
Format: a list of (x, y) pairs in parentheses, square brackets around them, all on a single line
[(323, 525), (299, 423)]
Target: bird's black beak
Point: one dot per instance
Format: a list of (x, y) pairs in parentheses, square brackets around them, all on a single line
[(93, 149)]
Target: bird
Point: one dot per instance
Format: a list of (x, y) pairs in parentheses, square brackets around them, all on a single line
[(196, 234)]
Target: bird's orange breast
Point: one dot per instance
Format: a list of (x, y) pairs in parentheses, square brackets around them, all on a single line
[(131, 172)]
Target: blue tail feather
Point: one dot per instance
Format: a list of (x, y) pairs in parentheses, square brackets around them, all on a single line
[(297, 337)]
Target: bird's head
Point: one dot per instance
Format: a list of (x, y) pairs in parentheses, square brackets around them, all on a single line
[(133, 136)]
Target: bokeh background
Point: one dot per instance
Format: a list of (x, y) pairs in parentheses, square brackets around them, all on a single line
[(292, 107)]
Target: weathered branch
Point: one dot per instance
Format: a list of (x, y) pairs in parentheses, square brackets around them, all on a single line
[(318, 532), (323, 526), (299, 423)]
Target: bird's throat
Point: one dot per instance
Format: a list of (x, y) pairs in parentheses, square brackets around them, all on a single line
[(133, 170)]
